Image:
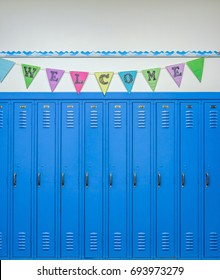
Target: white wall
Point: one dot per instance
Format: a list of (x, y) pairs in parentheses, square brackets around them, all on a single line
[(113, 25)]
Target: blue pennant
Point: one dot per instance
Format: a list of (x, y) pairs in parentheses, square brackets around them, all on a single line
[(5, 67), (128, 79)]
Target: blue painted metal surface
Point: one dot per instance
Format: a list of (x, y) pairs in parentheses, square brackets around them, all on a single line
[(165, 156), (65, 205), (141, 180), (117, 152), (4, 151), (93, 180), (69, 182), (211, 177), (189, 179), (45, 180), (22, 184)]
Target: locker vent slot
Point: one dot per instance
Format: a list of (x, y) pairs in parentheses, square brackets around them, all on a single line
[(93, 118), (69, 241), (93, 241), (165, 119), (1, 119), (141, 241), (46, 119), (117, 119), (1, 241), (23, 119), (189, 119), (213, 119), (70, 118), (165, 241), (117, 241), (45, 241), (141, 119), (213, 241), (189, 241), (21, 241)]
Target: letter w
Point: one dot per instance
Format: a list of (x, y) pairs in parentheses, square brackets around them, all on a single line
[(29, 72)]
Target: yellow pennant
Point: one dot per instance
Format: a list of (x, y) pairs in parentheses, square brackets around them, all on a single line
[(104, 80)]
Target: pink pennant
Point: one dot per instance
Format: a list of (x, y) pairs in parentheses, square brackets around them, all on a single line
[(79, 79), (54, 76), (176, 72)]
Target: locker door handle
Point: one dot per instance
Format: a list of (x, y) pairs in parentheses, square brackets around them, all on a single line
[(135, 180), (207, 180), (110, 180), (38, 179), (183, 179), (158, 179), (15, 179), (62, 180), (87, 179)]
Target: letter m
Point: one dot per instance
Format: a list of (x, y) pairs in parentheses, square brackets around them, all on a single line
[(151, 75)]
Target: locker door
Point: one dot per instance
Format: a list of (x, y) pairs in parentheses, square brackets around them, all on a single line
[(46, 163), (93, 180), (117, 136), (212, 185), (70, 180), (141, 179), (165, 179), (4, 179), (22, 185), (189, 183)]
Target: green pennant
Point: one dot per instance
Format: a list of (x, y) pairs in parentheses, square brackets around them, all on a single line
[(196, 66), (29, 72), (151, 76)]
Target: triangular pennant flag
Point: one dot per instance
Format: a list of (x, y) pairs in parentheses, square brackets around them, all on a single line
[(104, 80), (128, 79), (196, 66), (176, 72), (152, 76), (79, 79), (54, 76), (29, 72), (5, 67)]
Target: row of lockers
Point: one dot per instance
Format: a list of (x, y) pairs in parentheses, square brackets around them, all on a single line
[(113, 179)]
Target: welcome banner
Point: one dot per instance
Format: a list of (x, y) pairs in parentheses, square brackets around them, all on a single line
[(104, 79)]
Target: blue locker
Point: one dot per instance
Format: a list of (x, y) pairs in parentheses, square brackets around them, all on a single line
[(70, 180), (4, 146), (117, 141), (45, 177), (93, 180), (22, 183), (189, 182), (165, 160), (211, 184), (141, 180)]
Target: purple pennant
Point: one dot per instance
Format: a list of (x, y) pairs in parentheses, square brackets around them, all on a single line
[(54, 76), (176, 72)]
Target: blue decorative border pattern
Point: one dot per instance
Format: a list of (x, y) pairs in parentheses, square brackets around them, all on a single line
[(81, 54)]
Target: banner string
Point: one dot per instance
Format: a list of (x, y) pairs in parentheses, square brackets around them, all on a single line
[(93, 73), (104, 78)]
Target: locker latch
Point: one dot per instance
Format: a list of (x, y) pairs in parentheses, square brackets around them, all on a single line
[(15, 180), (135, 180), (110, 180), (62, 179), (87, 179), (183, 180), (38, 179), (207, 180), (158, 180)]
